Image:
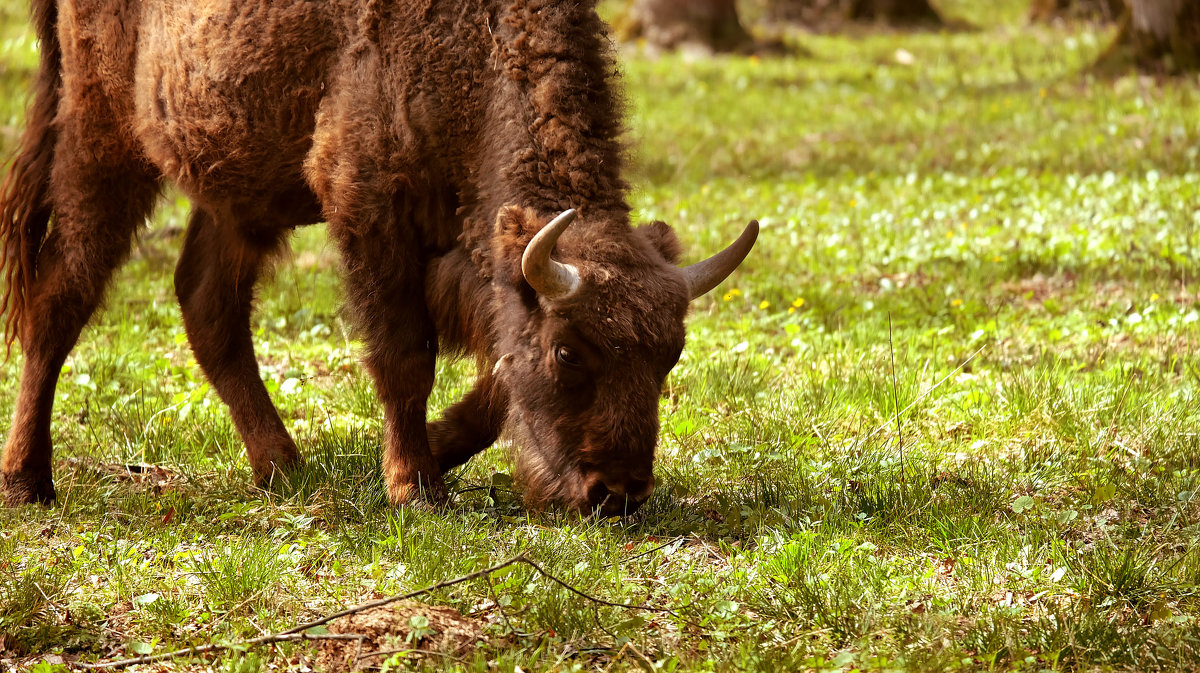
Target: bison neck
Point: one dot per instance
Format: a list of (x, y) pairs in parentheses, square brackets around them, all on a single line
[(552, 136), (539, 129), (512, 101)]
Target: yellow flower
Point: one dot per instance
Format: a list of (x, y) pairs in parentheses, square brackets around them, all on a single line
[(1154, 297), (956, 303), (764, 304), (791, 309), (853, 202), (798, 302), (732, 293)]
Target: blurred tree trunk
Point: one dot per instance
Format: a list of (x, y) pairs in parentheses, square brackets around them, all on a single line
[(898, 12), (1157, 35), (830, 13), (669, 24), (1048, 10)]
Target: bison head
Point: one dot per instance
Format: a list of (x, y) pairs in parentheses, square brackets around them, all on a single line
[(583, 360)]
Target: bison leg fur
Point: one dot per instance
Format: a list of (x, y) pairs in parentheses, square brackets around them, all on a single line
[(99, 196), (470, 425), (214, 282), (384, 280)]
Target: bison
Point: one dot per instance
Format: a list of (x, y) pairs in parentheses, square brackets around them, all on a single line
[(447, 144)]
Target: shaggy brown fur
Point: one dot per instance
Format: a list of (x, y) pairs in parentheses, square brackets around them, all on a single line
[(435, 138), (24, 209)]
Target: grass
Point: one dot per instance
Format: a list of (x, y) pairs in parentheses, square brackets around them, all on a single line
[(945, 418)]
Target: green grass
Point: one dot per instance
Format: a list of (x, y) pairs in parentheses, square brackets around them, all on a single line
[(946, 416)]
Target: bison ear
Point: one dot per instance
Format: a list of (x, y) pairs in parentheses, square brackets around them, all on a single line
[(515, 227), (664, 240)]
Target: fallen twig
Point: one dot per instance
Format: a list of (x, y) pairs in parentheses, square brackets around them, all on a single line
[(362, 607), (628, 606), (645, 553), (407, 650), (300, 632), (629, 647), (217, 647), (925, 394)]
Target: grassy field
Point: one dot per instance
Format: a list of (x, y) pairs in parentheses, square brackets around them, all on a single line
[(944, 418)]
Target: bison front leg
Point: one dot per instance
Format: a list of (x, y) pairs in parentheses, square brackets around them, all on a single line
[(351, 169), (214, 282), (470, 425), (384, 279)]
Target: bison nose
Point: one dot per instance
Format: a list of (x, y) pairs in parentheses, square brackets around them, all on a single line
[(617, 496)]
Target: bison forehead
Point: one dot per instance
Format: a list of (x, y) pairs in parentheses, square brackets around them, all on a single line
[(630, 315)]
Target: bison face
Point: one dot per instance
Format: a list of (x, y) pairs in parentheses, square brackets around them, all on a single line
[(584, 358)]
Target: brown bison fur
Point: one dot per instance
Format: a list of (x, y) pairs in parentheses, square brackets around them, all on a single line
[(435, 138)]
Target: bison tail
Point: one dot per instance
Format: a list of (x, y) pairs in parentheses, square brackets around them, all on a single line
[(25, 207)]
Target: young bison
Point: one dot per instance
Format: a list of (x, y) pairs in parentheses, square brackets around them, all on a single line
[(436, 138)]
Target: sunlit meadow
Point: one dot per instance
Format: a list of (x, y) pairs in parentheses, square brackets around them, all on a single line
[(944, 418)]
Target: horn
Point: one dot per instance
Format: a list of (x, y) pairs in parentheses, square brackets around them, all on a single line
[(551, 279), (704, 276)]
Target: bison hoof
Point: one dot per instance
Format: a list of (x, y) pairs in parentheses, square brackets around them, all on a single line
[(425, 493), (275, 469), (19, 489)]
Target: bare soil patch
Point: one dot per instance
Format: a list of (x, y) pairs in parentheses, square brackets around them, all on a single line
[(422, 630)]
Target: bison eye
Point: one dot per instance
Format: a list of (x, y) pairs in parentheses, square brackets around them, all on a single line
[(568, 357)]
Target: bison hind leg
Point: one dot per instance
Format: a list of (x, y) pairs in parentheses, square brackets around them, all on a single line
[(99, 195), (214, 282)]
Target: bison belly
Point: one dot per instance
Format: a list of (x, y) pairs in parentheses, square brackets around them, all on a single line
[(227, 91)]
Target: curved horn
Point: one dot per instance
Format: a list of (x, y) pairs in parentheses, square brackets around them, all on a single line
[(551, 279), (704, 276)]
